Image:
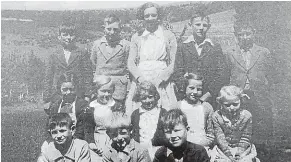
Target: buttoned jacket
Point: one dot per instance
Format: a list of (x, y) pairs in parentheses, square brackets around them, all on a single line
[(110, 63), (79, 64), (258, 72), (211, 64)]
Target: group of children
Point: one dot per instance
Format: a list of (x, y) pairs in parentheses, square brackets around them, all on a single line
[(190, 132), (96, 124)]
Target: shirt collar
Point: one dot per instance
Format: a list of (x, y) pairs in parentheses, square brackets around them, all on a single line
[(56, 154), (103, 40), (184, 147), (109, 104), (191, 39), (158, 33)]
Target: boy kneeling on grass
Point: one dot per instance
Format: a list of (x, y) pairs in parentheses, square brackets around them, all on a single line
[(123, 147), (177, 148), (64, 147)]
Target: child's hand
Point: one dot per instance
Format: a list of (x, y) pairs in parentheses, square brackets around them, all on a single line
[(94, 148)]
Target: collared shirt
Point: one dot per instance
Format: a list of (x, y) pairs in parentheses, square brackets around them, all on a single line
[(153, 46), (77, 152), (132, 152), (148, 124), (67, 55), (198, 47)]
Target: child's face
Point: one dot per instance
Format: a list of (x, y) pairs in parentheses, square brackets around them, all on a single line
[(120, 137), (194, 90), (231, 105), (200, 27), (104, 94), (68, 92), (61, 135), (245, 38), (177, 136), (148, 100), (66, 38), (112, 31)]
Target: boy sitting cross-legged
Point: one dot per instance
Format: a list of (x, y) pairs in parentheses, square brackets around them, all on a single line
[(123, 147), (64, 147), (177, 148)]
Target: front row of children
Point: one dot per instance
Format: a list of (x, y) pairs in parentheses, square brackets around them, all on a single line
[(190, 133)]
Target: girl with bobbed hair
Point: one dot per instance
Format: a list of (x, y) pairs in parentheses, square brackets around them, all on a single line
[(146, 119), (233, 128)]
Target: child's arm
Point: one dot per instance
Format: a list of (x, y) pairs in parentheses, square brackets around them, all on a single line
[(42, 158), (84, 154), (133, 53), (209, 124), (144, 156), (219, 135), (202, 156), (246, 129)]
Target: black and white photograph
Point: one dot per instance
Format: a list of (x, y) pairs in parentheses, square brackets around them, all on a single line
[(146, 81)]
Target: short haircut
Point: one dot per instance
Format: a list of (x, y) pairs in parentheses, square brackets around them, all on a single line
[(243, 23), (118, 120), (67, 77), (145, 87), (67, 26), (59, 119), (190, 76), (172, 118), (140, 11), (101, 80), (111, 18), (230, 91), (201, 14)]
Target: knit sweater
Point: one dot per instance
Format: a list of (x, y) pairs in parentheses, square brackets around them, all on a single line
[(232, 133)]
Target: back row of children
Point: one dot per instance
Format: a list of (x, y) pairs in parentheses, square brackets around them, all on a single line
[(200, 71)]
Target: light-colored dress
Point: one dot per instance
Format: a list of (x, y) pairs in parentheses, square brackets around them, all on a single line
[(152, 56), (199, 121), (102, 114)]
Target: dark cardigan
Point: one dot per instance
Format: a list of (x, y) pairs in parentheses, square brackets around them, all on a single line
[(159, 136)]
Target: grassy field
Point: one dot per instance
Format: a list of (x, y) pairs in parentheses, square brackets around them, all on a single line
[(22, 132)]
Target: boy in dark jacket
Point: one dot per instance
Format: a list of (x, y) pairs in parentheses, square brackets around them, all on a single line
[(177, 148)]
